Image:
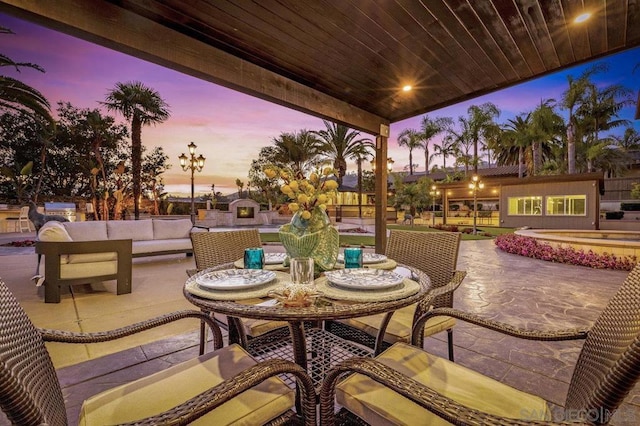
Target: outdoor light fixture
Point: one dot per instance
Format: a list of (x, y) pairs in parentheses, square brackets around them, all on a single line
[(474, 186), (407, 88), (434, 193), (192, 163), (582, 18)]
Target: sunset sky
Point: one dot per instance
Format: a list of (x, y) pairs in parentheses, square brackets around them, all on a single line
[(230, 127)]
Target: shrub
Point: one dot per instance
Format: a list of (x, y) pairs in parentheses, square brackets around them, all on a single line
[(530, 247), (614, 215), (448, 228), (633, 207)]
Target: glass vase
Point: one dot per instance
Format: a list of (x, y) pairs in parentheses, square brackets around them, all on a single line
[(314, 237)]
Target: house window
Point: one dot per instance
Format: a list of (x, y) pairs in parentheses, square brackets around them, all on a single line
[(525, 206), (566, 205)]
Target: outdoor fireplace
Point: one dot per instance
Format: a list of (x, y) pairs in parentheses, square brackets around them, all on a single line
[(245, 212)]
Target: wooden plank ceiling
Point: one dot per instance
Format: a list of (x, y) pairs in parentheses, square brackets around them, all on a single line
[(363, 51)]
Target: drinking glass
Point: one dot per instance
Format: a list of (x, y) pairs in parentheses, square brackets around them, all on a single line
[(352, 257), (254, 258), (301, 270)]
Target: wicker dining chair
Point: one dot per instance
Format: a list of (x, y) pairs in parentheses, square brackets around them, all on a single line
[(220, 387), (406, 383), (434, 253), (216, 248)]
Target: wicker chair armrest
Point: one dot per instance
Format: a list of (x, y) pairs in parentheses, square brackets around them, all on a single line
[(425, 303), (426, 397), (543, 335), (49, 335), (203, 403)]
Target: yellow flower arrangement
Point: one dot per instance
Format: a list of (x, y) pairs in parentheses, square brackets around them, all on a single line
[(305, 194)]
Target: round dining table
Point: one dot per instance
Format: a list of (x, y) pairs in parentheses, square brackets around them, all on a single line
[(337, 304)]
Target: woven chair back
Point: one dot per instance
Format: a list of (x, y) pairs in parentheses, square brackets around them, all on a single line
[(214, 248), (609, 363), (434, 253), (30, 393)]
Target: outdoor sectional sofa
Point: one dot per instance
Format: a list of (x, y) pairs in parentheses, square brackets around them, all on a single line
[(94, 251)]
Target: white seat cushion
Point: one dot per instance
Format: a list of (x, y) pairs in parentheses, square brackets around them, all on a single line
[(378, 405), (399, 327), (163, 390)]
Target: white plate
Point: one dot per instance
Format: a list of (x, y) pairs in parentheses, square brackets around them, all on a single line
[(364, 278), (367, 258), (274, 258), (235, 279)]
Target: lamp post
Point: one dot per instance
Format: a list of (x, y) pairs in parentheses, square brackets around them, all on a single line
[(475, 185), (434, 193), (192, 163)]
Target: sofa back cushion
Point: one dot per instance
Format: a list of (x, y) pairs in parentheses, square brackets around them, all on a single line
[(136, 230), (95, 230), (171, 229)]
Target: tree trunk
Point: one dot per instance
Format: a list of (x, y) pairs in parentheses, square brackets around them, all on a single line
[(571, 149), (426, 161), (520, 162), (136, 162)]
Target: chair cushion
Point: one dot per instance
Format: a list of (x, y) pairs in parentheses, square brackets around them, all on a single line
[(399, 328), (163, 390), (378, 405), (88, 270), (87, 231)]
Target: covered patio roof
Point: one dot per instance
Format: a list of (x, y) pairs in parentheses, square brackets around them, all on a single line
[(348, 60)]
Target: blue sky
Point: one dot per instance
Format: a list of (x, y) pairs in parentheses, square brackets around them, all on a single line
[(230, 127)]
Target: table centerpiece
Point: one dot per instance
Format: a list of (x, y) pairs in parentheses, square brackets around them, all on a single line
[(310, 232)]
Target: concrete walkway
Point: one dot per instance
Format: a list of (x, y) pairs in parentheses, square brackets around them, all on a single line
[(521, 291)]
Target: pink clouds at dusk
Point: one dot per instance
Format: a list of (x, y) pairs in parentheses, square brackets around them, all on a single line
[(228, 127)]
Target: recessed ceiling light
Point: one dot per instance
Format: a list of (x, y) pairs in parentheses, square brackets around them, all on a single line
[(582, 17), (407, 88)]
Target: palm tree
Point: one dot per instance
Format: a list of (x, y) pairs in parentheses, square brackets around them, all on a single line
[(18, 97), (359, 154), (462, 143), (429, 128), (340, 142), (141, 105), (301, 151), (445, 149), (571, 99), (546, 127), (411, 139), (629, 140), (599, 110), (480, 124), (515, 139)]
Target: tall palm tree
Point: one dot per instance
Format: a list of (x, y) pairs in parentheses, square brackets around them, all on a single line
[(340, 142), (446, 149), (359, 154), (572, 98), (141, 105), (429, 128), (516, 138), (19, 97), (462, 143), (629, 140), (411, 139), (547, 127), (302, 151), (481, 122)]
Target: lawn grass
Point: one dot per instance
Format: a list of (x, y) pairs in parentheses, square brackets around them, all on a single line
[(369, 240)]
